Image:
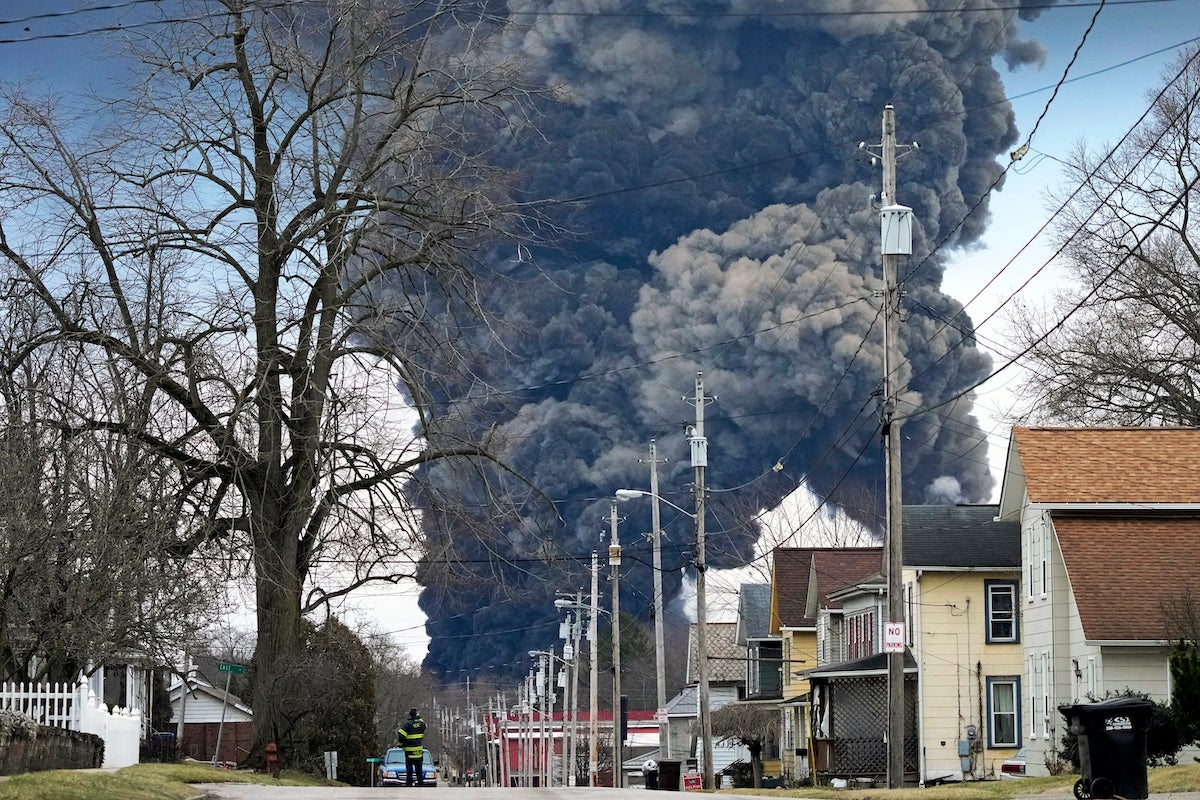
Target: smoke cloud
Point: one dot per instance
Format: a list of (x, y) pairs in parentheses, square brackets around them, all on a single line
[(705, 156)]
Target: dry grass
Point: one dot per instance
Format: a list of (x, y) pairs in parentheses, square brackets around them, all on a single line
[(140, 782), (1182, 778)]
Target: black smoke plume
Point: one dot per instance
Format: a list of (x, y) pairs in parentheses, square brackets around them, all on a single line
[(703, 162)]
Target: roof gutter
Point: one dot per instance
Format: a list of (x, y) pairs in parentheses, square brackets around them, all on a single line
[(1131, 506)]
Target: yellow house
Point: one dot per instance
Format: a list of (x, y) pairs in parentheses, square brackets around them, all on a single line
[(962, 587), (802, 578)]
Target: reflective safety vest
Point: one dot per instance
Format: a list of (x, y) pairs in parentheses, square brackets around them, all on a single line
[(411, 737)]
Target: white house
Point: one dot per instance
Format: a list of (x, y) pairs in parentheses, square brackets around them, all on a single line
[(1110, 537), (205, 712)]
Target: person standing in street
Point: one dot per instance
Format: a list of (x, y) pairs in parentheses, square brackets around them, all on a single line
[(411, 737)]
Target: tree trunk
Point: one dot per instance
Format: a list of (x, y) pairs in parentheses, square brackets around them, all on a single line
[(280, 641)]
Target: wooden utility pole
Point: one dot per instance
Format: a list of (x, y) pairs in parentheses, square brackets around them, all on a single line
[(896, 236), (593, 692), (699, 452), (614, 561), (660, 656)]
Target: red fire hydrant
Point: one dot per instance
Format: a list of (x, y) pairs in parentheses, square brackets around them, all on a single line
[(271, 751)]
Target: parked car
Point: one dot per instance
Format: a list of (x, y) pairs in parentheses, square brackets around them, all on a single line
[(1014, 767), (393, 770)]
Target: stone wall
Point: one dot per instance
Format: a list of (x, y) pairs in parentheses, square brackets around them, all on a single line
[(53, 748)]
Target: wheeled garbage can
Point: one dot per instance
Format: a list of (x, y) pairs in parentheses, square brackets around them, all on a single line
[(1112, 747)]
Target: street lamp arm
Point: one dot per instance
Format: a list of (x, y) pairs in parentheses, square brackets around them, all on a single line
[(630, 494)]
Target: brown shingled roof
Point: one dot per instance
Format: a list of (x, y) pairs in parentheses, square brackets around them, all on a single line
[(727, 659), (1122, 569), (1110, 465), (804, 574)]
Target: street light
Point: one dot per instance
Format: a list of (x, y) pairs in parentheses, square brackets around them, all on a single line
[(546, 759), (593, 699), (703, 703), (664, 742), (633, 494)]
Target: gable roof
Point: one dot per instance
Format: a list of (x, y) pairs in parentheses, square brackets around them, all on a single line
[(804, 577), (754, 612), (197, 686), (1058, 466), (1140, 561), (960, 537), (726, 660)]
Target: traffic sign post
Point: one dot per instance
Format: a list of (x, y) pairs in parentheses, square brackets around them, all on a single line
[(230, 670), (893, 637)]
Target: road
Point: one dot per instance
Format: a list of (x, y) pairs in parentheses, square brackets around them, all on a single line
[(251, 791)]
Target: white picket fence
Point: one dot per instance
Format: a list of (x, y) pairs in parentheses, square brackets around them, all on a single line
[(76, 708)]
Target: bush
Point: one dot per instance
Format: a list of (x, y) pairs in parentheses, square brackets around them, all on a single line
[(1163, 741), (743, 774), (17, 725)]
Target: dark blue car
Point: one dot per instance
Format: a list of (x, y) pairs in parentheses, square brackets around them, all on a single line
[(392, 769)]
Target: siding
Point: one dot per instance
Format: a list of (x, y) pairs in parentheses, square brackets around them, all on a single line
[(1142, 668), (203, 707), (955, 661)]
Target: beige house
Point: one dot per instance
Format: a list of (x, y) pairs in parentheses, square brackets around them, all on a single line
[(961, 584), (1110, 535), (802, 579)]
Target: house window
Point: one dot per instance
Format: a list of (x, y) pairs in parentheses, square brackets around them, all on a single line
[(1004, 711), (1042, 685), (1035, 567), (1047, 691), (1044, 559), (1001, 610), (1035, 694), (860, 635)]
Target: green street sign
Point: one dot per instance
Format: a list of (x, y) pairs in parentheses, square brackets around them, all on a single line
[(236, 669), (374, 760)]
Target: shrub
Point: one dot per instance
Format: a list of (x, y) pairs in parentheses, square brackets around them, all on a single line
[(1163, 741), (17, 725)]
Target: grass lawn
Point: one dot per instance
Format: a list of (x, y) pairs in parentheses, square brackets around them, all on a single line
[(139, 782), (1182, 778)]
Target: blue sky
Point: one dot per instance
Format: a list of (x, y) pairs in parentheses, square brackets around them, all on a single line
[(1097, 108)]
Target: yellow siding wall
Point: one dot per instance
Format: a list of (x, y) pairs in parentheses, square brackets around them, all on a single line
[(800, 654), (950, 645)]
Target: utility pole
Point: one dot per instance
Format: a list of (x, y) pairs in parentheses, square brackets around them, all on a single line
[(896, 240), (660, 656), (593, 699), (699, 451), (575, 687), (614, 561)]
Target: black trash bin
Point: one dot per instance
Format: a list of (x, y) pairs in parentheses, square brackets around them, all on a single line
[(1112, 747), (651, 776), (670, 775)]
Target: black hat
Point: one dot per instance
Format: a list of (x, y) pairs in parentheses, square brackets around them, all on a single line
[(412, 713)]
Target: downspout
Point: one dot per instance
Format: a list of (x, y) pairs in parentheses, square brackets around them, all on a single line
[(919, 657)]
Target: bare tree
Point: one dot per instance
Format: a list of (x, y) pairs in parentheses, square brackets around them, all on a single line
[(291, 180), (1122, 346), (88, 577), (748, 724)]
